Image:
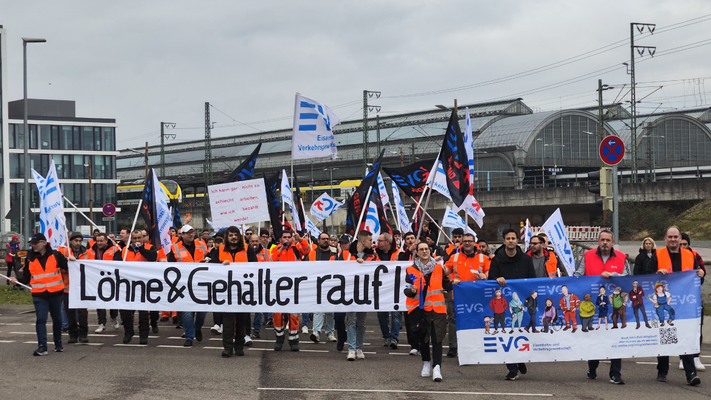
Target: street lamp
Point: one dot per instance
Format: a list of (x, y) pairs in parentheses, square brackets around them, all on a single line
[(26, 183)]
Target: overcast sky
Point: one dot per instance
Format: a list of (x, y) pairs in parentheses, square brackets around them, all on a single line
[(151, 61)]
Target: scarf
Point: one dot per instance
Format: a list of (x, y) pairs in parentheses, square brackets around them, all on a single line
[(426, 269)]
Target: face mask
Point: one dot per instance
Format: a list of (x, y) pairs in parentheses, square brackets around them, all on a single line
[(616, 292)]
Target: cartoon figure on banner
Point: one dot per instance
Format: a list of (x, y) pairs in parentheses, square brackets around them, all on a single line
[(550, 314), (569, 303), (618, 299), (531, 304), (662, 300), (487, 325), (516, 310), (499, 305), (637, 297), (601, 303), (587, 313)]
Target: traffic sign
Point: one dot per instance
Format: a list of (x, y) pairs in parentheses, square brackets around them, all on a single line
[(612, 150), (109, 209), (108, 218)]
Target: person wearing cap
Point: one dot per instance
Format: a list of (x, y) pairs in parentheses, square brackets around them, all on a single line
[(137, 251), (102, 250), (435, 250), (344, 243), (42, 271), (13, 246), (397, 238), (78, 328), (670, 259), (187, 249)]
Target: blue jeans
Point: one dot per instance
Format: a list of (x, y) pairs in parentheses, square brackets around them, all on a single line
[(191, 325), (318, 322), (355, 322), (390, 331), (65, 320), (52, 306), (305, 319), (257, 322)]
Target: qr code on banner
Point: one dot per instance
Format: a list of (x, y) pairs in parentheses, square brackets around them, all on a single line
[(668, 336)]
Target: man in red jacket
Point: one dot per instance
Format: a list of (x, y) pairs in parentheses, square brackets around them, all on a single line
[(569, 304)]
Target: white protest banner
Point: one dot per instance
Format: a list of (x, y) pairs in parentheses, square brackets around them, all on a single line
[(558, 235), (289, 287), (312, 229), (452, 220), (324, 206), (384, 198), (312, 136), (52, 220), (238, 203), (401, 213), (487, 332)]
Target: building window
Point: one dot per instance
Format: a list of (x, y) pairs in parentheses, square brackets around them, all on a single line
[(66, 138), (109, 139), (78, 167), (33, 136), (12, 136), (87, 138), (45, 137), (55, 138), (17, 166), (76, 138)]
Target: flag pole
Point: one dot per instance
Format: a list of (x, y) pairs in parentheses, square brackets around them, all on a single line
[(18, 282), (133, 226), (427, 201), (82, 214), (392, 213), (364, 208), (436, 224)]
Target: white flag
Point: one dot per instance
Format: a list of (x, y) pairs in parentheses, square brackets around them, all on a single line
[(312, 229), (384, 198), (527, 234), (372, 222), (312, 136), (473, 209), (164, 215), (452, 220), (440, 180), (469, 144), (52, 220), (402, 218), (558, 235), (288, 198), (324, 206)]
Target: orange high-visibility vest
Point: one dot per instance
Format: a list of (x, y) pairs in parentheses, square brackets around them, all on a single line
[(263, 255), (183, 255), (240, 256), (664, 260), (551, 263), (434, 298), (467, 268), (134, 256), (48, 278), (90, 254)]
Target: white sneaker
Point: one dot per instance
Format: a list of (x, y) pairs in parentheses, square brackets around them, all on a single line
[(426, 370), (437, 374), (414, 352), (351, 355), (681, 364), (116, 322), (305, 330), (698, 365), (360, 355), (215, 329), (219, 330), (331, 337), (247, 340), (100, 329), (315, 337)]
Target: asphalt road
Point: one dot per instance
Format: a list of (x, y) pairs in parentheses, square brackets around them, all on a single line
[(105, 368)]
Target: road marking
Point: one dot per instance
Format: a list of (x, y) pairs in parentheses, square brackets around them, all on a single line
[(175, 338), (212, 348), (10, 323), (130, 345), (399, 354), (23, 333), (33, 342), (173, 347), (286, 350), (101, 335), (405, 391), (8, 341), (89, 344), (646, 363)]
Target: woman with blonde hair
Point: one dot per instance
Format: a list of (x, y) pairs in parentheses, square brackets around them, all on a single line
[(645, 256)]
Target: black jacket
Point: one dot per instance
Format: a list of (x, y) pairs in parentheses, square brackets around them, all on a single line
[(641, 263), (369, 253), (520, 266), (531, 304)]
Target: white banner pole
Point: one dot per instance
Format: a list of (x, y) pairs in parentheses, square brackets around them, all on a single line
[(135, 218)]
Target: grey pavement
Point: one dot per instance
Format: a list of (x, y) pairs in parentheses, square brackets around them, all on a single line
[(106, 369)]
